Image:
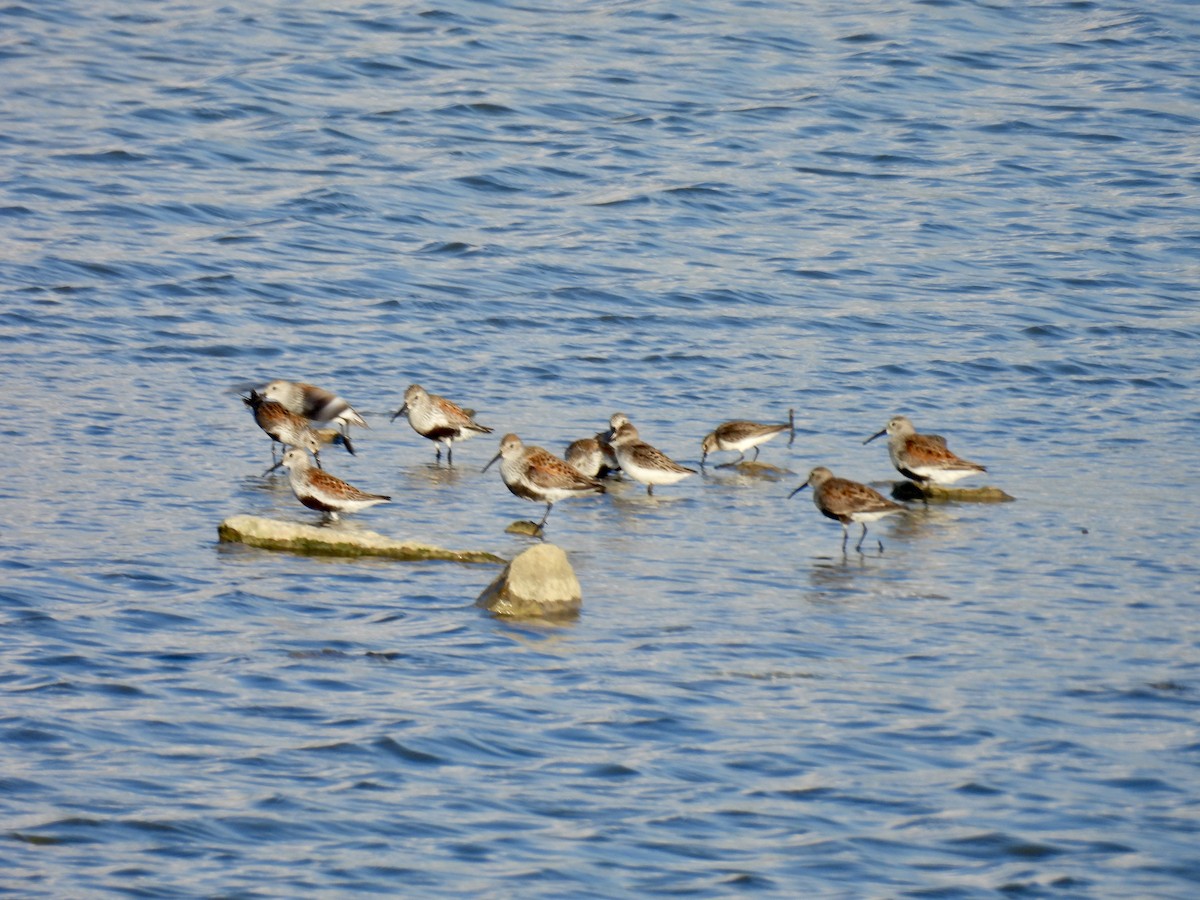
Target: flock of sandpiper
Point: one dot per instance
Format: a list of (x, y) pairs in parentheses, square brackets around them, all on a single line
[(293, 413)]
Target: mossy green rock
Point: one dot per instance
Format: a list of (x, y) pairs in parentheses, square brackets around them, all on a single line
[(295, 537), (907, 490), (524, 527)]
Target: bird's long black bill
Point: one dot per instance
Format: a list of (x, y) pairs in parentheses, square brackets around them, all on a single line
[(872, 437), (797, 490), (489, 465)]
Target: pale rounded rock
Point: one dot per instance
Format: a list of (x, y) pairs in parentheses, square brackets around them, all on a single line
[(538, 584)]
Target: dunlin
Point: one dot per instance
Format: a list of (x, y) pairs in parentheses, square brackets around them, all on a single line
[(740, 436), (615, 421), (539, 475), (283, 427), (438, 419), (315, 404), (319, 490), (594, 456), (847, 501), (923, 457), (604, 438), (644, 463), (587, 456)]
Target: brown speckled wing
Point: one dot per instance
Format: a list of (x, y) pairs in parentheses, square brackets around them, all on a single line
[(546, 470), (454, 413), (931, 450), (652, 457), (332, 486), (742, 430), (843, 497)]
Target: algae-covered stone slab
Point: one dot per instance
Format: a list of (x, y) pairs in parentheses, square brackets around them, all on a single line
[(523, 526), (907, 490), (295, 537), (538, 584)]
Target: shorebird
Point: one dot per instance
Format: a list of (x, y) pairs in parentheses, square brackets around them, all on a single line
[(594, 456), (740, 435), (923, 457), (587, 456), (438, 419), (319, 490), (615, 421), (283, 427), (604, 438), (644, 463), (536, 474), (847, 501), (315, 404)]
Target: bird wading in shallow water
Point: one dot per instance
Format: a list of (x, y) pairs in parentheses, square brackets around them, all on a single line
[(283, 427), (847, 501), (319, 490), (924, 458), (644, 463), (740, 435), (587, 455), (536, 474), (439, 420), (315, 404), (604, 439)]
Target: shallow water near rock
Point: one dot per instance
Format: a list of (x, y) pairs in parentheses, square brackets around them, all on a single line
[(981, 216)]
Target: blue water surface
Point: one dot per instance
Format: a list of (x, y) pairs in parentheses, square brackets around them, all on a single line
[(982, 215)]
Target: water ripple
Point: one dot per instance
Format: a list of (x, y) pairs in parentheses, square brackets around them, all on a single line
[(979, 216)]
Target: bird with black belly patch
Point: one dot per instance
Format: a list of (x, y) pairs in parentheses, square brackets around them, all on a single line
[(319, 490), (315, 404), (438, 419), (536, 474)]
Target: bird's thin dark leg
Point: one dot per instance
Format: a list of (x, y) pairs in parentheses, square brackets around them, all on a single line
[(756, 449), (545, 516), (861, 538), (845, 534), (649, 490)]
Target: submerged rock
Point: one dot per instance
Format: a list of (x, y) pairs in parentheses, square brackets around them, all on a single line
[(524, 526), (756, 469), (538, 584), (908, 490), (295, 537)]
